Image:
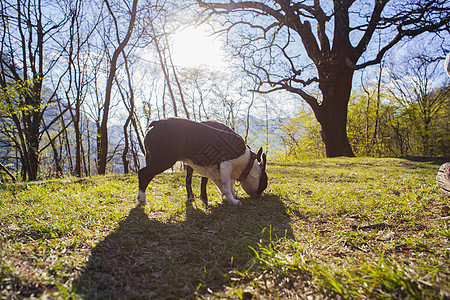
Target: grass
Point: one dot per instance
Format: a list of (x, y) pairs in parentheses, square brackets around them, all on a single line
[(357, 228)]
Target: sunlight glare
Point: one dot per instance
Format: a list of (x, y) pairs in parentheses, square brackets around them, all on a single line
[(193, 47)]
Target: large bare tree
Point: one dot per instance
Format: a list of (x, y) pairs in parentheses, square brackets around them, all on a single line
[(296, 45), (28, 37), (103, 129)]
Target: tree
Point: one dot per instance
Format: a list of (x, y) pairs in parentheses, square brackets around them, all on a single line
[(366, 116), (103, 129), (367, 122), (300, 136), (414, 88), (127, 95), (340, 45), (28, 35), (75, 86), (160, 29)]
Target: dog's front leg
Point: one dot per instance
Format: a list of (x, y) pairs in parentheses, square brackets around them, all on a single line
[(233, 189), (225, 176)]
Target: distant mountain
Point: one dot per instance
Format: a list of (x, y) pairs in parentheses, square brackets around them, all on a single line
[(262, 133)]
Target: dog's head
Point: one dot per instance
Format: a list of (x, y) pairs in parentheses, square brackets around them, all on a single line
[(256, 181)]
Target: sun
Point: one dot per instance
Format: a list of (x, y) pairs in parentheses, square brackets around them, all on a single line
[(193, 47)]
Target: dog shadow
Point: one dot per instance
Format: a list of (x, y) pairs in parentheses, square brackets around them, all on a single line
[(145, 258)]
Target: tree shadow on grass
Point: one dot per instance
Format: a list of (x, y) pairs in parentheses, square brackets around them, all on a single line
[(145, 258), (431, 160)]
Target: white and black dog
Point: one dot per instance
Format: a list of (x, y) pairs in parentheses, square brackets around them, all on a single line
[(204, 182), (217, 154)]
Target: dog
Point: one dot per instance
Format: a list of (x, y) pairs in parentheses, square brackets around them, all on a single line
[(219, 155), (204, 180)]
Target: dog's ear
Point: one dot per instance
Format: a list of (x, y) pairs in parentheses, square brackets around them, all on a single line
[(264, 161), (258, 155), (263, 180)]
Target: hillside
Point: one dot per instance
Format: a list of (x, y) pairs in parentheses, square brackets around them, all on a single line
[(354, 228)]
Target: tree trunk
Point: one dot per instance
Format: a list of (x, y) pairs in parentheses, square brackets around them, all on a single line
[(33, 158), (332, 113), (126, 147), (335, 138), (78, 141), (98, 140), (165, 70), (32, 141)]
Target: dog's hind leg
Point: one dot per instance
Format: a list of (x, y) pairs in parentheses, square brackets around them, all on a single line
[(189, 171), (203, 194), (147, 173)]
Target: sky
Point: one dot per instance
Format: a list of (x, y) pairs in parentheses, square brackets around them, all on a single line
[(193, 46)]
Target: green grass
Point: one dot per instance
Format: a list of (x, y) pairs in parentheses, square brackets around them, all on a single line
[(333, 228)]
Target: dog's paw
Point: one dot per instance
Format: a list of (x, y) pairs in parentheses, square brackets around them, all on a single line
[(232, 201), (141, 198), (236, 203)]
